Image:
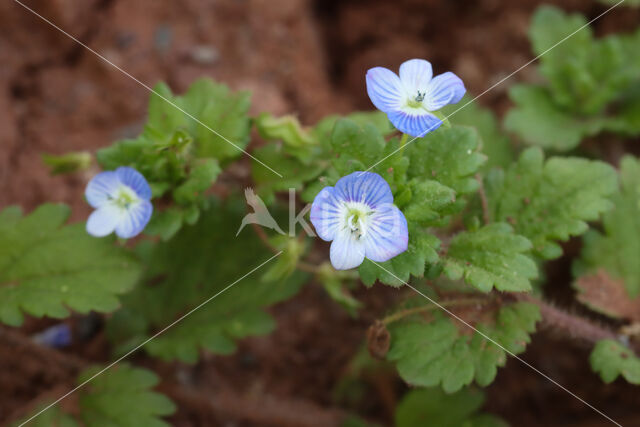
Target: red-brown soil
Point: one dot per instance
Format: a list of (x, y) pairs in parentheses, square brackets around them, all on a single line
[(303, 57)]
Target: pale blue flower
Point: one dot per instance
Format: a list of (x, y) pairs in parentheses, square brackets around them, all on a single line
[(359, 218), (121, 199), (410, 99)]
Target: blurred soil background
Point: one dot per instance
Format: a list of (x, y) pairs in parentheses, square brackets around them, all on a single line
[(296, 56)]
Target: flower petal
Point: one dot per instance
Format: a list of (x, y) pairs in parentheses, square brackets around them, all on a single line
[(384, 89), (447, 88), (101, 188), (135, 219), (346, 251), (104, 220), (387, 234), (326, 213), (364, 187), (415, 74), (414, 124), (135, 180)]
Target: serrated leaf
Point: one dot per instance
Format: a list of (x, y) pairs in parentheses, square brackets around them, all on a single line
[(492, 256), (432, 406), (584, 74), (422, 250), (47, 268), (617, 250), (429, 202), (537, 120), (286, 128), (495, 145), (200, 261), (436, 353), (550, 201), (611, 359), (120, 396), (295, 173), (53, 416), (203, 174), (449, 156)]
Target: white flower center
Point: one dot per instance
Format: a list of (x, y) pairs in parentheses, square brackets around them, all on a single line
[(124, 197), (357, 219)]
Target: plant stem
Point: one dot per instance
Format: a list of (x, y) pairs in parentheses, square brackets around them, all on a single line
[(403, 142), (425, 308), (572, 325)]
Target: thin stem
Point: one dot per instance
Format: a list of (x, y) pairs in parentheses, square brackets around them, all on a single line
[(403, 142), (425, 308)]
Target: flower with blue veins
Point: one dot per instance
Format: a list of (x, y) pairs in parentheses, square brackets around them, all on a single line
[(409, 100), (122, 202), (360, 220)]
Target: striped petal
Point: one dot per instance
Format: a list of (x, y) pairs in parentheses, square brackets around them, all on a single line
[(326, 213), (364, 187), (102, 188), (104, 220), (135, 180), (416, 124), (384, 89), (346, 251), (447, 88), (387, 234), (415, 74), (135, 219)]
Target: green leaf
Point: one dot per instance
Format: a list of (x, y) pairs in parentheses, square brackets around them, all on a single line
[(47, 268), (552, 200), (199, 262), (449, 156), (203, 174), (495, 145), (221, 125), (430, 202), (610, 359), (120, 396), (295, 173), (53, 416), (397, 271), (538, 121), (436, 353), (432, 406), (617, 250), (285, 128), (67, 163), (584, 74), (165, 223), (492, 256)]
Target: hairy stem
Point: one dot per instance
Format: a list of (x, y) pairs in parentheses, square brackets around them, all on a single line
[(426, 308), (572, 325)]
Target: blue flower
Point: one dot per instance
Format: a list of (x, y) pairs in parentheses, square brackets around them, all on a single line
[(121, 199), (359, 217), (57, 336), (411, 99)]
